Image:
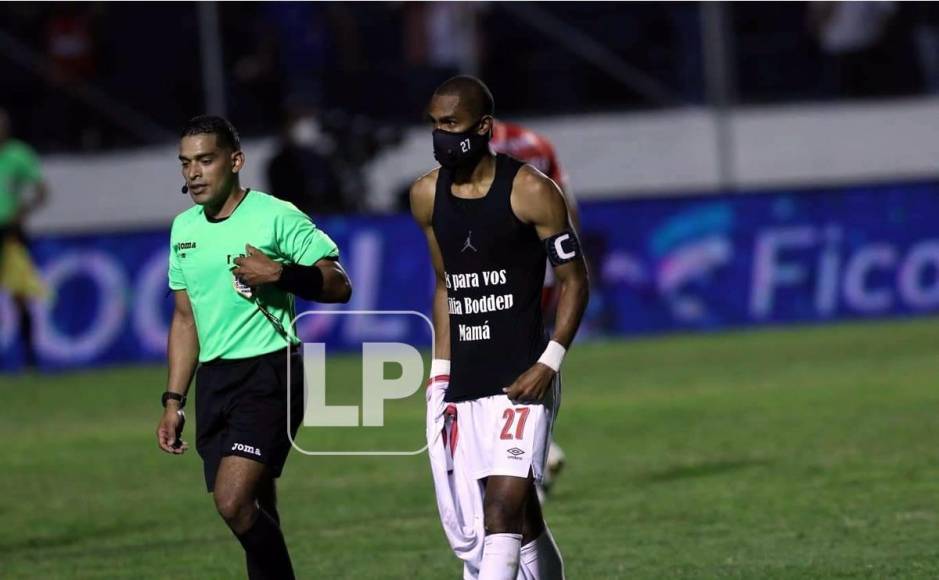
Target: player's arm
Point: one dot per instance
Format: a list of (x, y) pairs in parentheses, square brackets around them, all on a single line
[(38, 199), (557, 173), (572, 208), (440, 314), (422, 208), (31, 173), (324, 281), (182, 351), (538, 201)]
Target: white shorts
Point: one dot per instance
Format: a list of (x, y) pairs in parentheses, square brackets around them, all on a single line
[(470, 440), (495, 437)]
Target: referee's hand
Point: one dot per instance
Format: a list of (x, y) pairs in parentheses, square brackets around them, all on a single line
[(167, 432), (255, 269)]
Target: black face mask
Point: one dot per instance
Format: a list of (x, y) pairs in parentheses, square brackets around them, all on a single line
[(453, 150)]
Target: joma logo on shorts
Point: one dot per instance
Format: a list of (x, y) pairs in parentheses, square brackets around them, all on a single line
[(246, 449)]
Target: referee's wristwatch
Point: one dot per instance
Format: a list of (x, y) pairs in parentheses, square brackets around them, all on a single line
[(174, 396)]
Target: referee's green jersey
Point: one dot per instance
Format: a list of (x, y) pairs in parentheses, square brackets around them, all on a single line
[(202, 255)]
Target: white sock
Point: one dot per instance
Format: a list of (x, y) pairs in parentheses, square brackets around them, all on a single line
[(540, 559), (500, 557)]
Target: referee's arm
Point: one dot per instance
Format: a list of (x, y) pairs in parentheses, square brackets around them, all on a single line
[(183, 355), (325, 281), (336, 284)]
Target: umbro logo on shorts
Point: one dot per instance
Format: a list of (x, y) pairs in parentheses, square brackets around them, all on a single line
[(516, 451), (249, 449)]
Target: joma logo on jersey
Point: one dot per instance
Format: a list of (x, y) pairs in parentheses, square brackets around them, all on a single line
[(182, 246), (246, 449)]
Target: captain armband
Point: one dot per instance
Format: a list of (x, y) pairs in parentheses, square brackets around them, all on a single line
[(562, 247)]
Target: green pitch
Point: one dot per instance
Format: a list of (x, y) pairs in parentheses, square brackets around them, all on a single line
[(802, 453)]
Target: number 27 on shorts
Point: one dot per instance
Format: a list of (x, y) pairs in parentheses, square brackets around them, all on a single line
[(510, 416)]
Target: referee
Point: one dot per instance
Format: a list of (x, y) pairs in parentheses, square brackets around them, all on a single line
[(237, 259)]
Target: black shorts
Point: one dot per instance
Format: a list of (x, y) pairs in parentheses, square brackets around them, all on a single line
[(241, 409)]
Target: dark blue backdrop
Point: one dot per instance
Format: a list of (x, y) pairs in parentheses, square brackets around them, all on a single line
[(657, 265)]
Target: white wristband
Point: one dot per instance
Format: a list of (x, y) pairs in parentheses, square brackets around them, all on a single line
[(553, 355), (439, 366)]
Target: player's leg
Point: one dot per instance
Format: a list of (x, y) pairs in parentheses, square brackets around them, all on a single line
[(553, 467), (21, 300), (25, 330), (236, 497), (556, 460), (267, 497), (539, 556), (235, 493), (255, 447), (550, 296), (504, 520), (264, 426)]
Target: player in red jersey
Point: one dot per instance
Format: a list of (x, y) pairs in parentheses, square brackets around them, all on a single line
[(535, 149)]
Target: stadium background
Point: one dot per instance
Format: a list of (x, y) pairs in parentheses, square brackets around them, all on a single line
[(737, 168)]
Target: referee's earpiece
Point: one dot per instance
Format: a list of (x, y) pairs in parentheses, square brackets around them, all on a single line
[(185, 189)]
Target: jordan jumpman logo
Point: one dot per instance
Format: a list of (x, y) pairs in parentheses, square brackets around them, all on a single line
[(469, 243)]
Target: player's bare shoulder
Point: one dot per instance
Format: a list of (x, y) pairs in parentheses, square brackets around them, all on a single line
[(536, 197), (422, 197)]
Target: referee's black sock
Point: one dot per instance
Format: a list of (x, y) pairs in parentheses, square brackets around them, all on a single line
[(265, 550), (272, 512)]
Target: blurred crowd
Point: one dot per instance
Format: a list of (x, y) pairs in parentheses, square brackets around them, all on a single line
[(370, 66)]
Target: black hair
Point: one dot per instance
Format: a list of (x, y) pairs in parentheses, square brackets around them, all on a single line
[(473, 93), (226, 136)]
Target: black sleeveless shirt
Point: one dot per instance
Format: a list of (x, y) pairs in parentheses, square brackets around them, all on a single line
[(494, 268)]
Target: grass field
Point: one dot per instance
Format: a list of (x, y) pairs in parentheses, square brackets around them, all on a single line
[(801, 453)]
